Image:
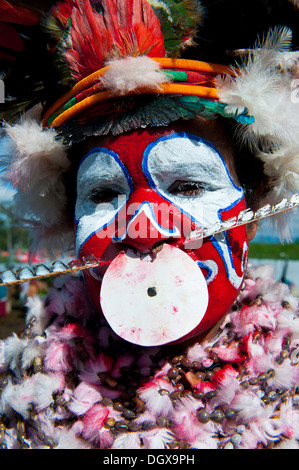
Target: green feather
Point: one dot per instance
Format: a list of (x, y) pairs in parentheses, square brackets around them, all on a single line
[(211, 109), (179, 22), (176, 75)]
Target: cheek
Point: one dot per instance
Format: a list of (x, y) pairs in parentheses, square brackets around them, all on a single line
[(223, 260), (204, 280)]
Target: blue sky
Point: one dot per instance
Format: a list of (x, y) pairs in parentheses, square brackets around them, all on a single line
[(6, 191), (266, 232)]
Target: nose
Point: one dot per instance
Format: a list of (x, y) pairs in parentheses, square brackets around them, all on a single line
[(147, 224)]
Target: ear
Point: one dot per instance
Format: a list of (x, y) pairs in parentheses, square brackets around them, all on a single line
[(251, 230)]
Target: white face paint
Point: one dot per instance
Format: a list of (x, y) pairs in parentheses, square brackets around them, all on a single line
[(190, 158), (177, 169), (185, 157), (100, 170)]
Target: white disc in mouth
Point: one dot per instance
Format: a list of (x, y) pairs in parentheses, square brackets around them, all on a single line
[(154, 302)]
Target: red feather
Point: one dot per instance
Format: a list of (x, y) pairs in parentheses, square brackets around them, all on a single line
[(91, 41), (62, 11), (14, 14), (121, 28), (133, 23)]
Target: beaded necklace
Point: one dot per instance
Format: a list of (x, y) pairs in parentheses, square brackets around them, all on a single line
[(69, 382)]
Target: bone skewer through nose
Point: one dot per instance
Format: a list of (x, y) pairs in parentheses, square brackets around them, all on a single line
[(28, 273)]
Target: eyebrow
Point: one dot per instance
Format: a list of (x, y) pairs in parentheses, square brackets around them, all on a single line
[(121, 169), (176, 160)]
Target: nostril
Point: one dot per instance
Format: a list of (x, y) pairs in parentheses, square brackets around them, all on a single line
[(145, 254), (144, 231)]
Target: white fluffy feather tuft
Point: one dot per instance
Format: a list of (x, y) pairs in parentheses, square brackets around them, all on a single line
[(13, 350), (34, 350), (127, 441), (265, 87), (283, 166), (36, 312), (17, 398), (36, 163), (156, 402), (157, 439), (38, 154), (131, 73), (44, 387)]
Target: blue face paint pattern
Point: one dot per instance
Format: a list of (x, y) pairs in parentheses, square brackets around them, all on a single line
[(180, 151), (144, 174), (100, 168)]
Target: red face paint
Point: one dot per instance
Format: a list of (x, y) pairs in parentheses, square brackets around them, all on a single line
[(138, 193)]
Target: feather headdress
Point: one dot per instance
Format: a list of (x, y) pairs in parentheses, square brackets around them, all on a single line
[(120, 67), (94, 32), (266, 86)]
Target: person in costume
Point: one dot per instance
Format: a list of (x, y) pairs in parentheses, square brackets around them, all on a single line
[(171, 341)]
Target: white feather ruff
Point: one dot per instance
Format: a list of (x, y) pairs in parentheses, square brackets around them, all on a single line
[(157, 404), (42, 156), (13, 349), (37, 161), (267, 85), (37, 313), (131, 73)]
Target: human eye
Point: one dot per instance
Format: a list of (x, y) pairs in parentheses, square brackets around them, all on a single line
[(103, 195), (186, 188)]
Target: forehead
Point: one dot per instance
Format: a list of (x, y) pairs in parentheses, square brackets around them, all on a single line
[(130, 147)]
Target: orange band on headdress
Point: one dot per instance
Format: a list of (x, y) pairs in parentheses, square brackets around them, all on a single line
[(166, 89), (206, 92), (196, 65)]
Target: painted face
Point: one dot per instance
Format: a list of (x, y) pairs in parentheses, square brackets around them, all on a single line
[(140, 197)]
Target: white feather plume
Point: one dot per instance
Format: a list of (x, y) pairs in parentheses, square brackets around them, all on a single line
[(44, 386), (17, 398), (13, 349), (38, 156), (267, 86), (35, 161), (34, 349), (157, 438), (127, 441), (283, 166), (36, 311), (264, 87), (156, 403), (126, 75)]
